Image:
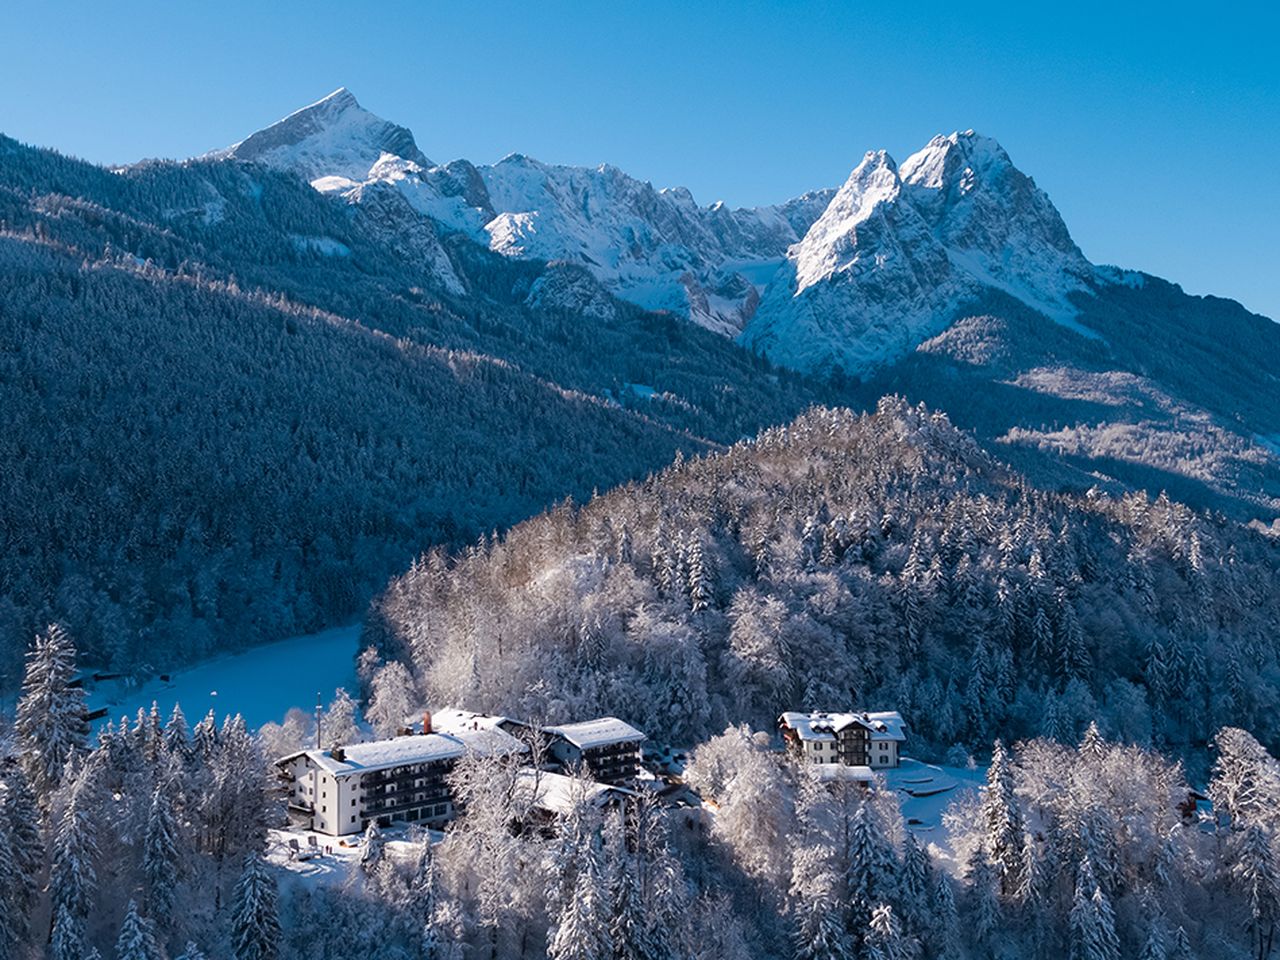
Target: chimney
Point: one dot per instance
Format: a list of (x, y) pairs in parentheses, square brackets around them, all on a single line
[(426, 722), (338, 753)]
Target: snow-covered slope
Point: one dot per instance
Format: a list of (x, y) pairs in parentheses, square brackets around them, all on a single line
[(656, 248), (851, 279), (333, 137), (900, 253)]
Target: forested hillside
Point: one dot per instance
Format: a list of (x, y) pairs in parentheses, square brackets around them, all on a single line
[(233, 412), (1170, 396), (881, 560), (158, 839)]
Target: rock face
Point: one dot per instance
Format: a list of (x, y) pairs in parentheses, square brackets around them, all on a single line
[(333, 137), (901, 253), (656, 248), (854, 280)]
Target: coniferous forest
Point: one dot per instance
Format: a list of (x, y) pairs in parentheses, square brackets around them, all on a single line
[(651, 518)]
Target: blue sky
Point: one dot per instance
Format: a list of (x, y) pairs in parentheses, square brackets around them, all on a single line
[(1155, 129)]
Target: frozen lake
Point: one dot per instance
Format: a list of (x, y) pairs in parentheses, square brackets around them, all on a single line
[(262, 684)]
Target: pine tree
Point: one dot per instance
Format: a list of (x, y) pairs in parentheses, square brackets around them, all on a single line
[(1254, 870), (1093, 932), (1002, 818), (422, 900), (581, 931), (916, 883), (137, 939), (73, 878), (699, 578), (177, 738), (1093, 747), (204, 738), (861, 861), (1180, 949), (192, 952), (984, 913), (255, 925), (820, 932), (50, 715), (372, 849), (13, 920), (66, 939), (885, 940), (1153, 948), (27, 845), (160, 857), (945, 923), (628, 924)]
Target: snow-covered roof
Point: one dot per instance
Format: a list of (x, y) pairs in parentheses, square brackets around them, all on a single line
[(556, 793), (489, 743), (810, 726), (452, 720), (887, 725), (597, 733), (402, 751), (819, 725)]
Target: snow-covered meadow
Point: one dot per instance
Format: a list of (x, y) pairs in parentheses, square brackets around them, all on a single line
[(262, 684)]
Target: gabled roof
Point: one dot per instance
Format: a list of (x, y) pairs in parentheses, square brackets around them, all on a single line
[(452, 720), (596, 733), (402, 751), (887, 725), (819, 725)]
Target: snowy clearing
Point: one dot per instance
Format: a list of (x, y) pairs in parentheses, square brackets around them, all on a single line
[(926, 791), (262, 684)]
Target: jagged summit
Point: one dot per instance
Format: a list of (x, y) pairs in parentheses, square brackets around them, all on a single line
[(851, 277), (655, 247), (333, 137), (901, 250)]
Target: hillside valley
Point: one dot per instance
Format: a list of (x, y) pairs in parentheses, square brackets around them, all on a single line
[(250, 387)]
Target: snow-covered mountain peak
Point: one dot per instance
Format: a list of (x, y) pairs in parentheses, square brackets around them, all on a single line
[(832, 243), (900, 250), (334, 137), (944, 160)]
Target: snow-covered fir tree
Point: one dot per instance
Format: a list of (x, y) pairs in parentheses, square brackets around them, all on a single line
[(255, 923), (50, 715)]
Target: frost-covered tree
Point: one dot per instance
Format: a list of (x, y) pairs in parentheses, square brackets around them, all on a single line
[(1254, 870), (137, 939), (885, 939), (160, 858), (422, 900), (1093, 933), (255, 923), (66, 938), (73, 879), (1002, 818), (581, 930), (50, 715), (391, 700), (22, 824), (338, 723)]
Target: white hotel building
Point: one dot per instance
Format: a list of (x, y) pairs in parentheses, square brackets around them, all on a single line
[(339, 791)]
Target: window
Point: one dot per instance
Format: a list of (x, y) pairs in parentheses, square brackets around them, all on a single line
[(353, 818), (353, 801)]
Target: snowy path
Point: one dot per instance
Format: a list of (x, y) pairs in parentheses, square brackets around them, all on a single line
[(262, 683)]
